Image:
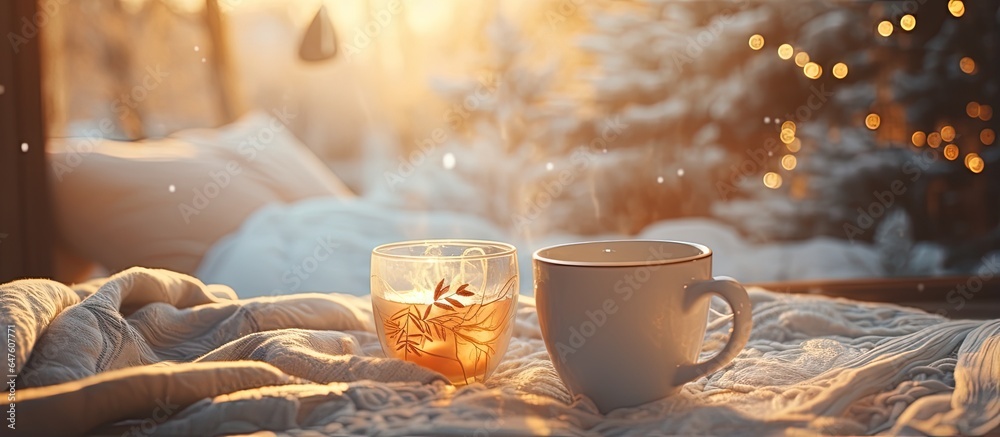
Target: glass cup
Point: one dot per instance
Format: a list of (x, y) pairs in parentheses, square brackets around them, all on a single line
[(447, 305)]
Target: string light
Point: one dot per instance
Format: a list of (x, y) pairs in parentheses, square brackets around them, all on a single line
[(967, 65), (951, 152), (772, 180), (812, 70), (948, 133), (974, 163), (956, 7), (972, 109), (788, 125), (987, 136), (985, 112), (448, 160), (24, 147), (787, 136), (785, 51), (801, 59), (969, 157), (756, 42), (788, 162), (873, 121), (919, 138), (934, 139), (908, 22), (840, 70), (885, 28)]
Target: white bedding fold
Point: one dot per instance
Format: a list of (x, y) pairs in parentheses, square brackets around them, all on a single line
[(170, 356)]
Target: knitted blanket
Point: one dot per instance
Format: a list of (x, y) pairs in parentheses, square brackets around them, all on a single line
[(158, 353)]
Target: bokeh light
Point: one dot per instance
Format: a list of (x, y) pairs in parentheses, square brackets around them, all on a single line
[(788, 125), (947, 133), (788, 162), (974, 163), (934, 139), (772, 180), (967, 65), (840, 70), (794, 146), (812, 70), (969, 157), (985, 112), (885, 28), (972, 109), (448, 160), (757, 41), (908, 22), (951, 152), (787, 136), (919, 138), (873, 121), (785, 51), (801, 59), (987, 136), (956, 7)]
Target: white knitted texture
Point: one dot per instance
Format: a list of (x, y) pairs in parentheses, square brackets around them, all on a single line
[(813, 365)]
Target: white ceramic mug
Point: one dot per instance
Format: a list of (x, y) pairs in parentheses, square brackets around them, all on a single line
[(624, 321)]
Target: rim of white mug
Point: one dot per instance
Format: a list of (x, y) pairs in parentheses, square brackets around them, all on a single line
[(706, 252), (506, 249)]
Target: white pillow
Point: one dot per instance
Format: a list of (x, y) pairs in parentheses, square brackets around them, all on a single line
[(163, 203)]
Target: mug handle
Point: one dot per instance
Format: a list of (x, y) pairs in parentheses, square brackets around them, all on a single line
[(737, 298)]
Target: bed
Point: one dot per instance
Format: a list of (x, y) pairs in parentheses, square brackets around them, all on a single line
[(160, 353)]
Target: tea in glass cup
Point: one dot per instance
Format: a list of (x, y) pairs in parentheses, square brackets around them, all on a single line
[(447, 305)]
